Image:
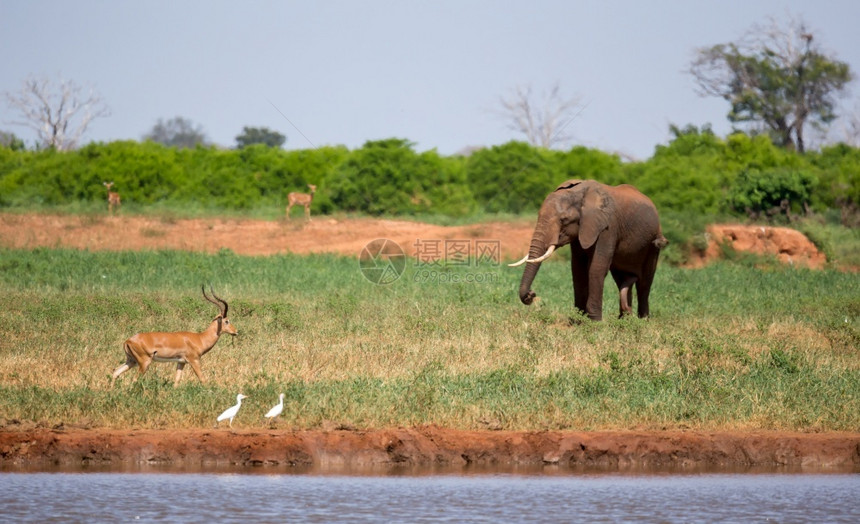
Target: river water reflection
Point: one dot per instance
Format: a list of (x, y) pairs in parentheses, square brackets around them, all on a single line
[(231, 497)]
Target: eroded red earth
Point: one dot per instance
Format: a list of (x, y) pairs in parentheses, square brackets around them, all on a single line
[(428, 447), (23, 445), (787, 245)]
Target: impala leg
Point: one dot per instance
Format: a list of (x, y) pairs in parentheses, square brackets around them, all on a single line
[(119, 371), (144, 365), (195, 367), (179, 367)]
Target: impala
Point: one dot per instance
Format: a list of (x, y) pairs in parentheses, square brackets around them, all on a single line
[(301, 199), (113, 197), (182, 347)]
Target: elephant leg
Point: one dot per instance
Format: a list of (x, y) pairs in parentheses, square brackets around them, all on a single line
[(594, 305), (625, 282), (643, 285), (579, 273), (600, 260), (596, 278), (643, 289)]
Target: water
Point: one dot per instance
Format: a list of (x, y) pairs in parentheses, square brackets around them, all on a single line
[(209, 497)]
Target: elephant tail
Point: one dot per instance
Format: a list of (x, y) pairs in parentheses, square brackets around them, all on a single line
[(660, 242)]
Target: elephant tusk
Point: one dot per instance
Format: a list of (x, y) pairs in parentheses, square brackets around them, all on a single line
[(519, 263), (535, 260), (545, 255)]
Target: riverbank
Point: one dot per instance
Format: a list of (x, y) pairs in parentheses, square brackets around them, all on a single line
[(426, 447)]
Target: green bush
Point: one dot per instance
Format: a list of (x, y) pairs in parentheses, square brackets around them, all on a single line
[(838, 169), (771, 192), (695, 173), (147, 173), (513, 177), (389, 177), (516, 177)]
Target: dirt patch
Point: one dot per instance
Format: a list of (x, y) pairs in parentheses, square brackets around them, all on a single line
[(428, 446), (787, 245), (245, 237), (342, 236)]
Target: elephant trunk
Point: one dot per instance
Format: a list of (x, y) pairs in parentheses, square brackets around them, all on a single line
[(527, 296), (542, 238)]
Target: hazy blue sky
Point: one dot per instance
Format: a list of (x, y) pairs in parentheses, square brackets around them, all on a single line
[(349, 71)]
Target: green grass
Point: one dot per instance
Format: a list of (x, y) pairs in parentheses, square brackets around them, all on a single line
[(165, 211), (730, 346), (173, 211)]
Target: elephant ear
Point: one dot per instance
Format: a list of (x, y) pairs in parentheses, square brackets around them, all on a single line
[(594, 217)]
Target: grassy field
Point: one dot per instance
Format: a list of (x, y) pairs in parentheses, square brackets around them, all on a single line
[(732, 347)]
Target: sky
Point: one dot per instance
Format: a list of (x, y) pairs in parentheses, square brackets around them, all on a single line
[(345, 72)]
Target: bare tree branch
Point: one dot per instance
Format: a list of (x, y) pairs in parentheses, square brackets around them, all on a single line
[(60, 114), (848, 128), (544, 123)]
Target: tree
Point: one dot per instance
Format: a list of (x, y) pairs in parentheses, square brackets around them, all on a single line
[(177, 132), (259, 135), (11, 141), (60, 114), (776, 77), (543, 122)]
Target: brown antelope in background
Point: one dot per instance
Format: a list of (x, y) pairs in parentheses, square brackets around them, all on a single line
[(301, 199), (113, 197), (182, 347)]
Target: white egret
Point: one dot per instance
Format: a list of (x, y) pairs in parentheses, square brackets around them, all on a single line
[(275, 411), (229, 413)]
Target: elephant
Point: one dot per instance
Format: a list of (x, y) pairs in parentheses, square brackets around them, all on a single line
[(612, 229)]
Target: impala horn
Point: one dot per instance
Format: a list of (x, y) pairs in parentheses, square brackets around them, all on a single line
[(222, 304)]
